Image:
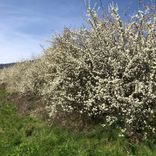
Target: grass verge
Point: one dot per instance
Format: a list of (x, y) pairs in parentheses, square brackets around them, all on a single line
[(30, 136)]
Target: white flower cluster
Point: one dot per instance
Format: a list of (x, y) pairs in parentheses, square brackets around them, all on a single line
[(107, 73)]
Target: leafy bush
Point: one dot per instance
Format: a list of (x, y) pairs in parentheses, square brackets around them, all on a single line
[(105, 74)]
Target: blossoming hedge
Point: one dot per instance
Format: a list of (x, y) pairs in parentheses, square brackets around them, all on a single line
[(106, 73)]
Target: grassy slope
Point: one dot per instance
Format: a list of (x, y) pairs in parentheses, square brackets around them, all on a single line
[(28, 136)]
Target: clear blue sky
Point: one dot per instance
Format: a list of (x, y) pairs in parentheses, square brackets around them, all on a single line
[(27, 24)]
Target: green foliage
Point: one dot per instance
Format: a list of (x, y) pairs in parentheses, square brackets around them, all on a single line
[(26, 136)]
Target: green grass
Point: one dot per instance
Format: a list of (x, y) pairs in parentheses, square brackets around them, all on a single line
[(29, 136)]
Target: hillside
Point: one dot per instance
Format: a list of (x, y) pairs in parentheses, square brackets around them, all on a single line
[(2, 66)]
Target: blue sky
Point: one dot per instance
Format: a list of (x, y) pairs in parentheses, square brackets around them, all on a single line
[(27, 24)]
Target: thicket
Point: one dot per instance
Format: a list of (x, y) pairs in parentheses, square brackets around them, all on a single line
[(104, 74)]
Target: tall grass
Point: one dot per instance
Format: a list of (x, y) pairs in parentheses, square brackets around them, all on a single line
[(29, 136)]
